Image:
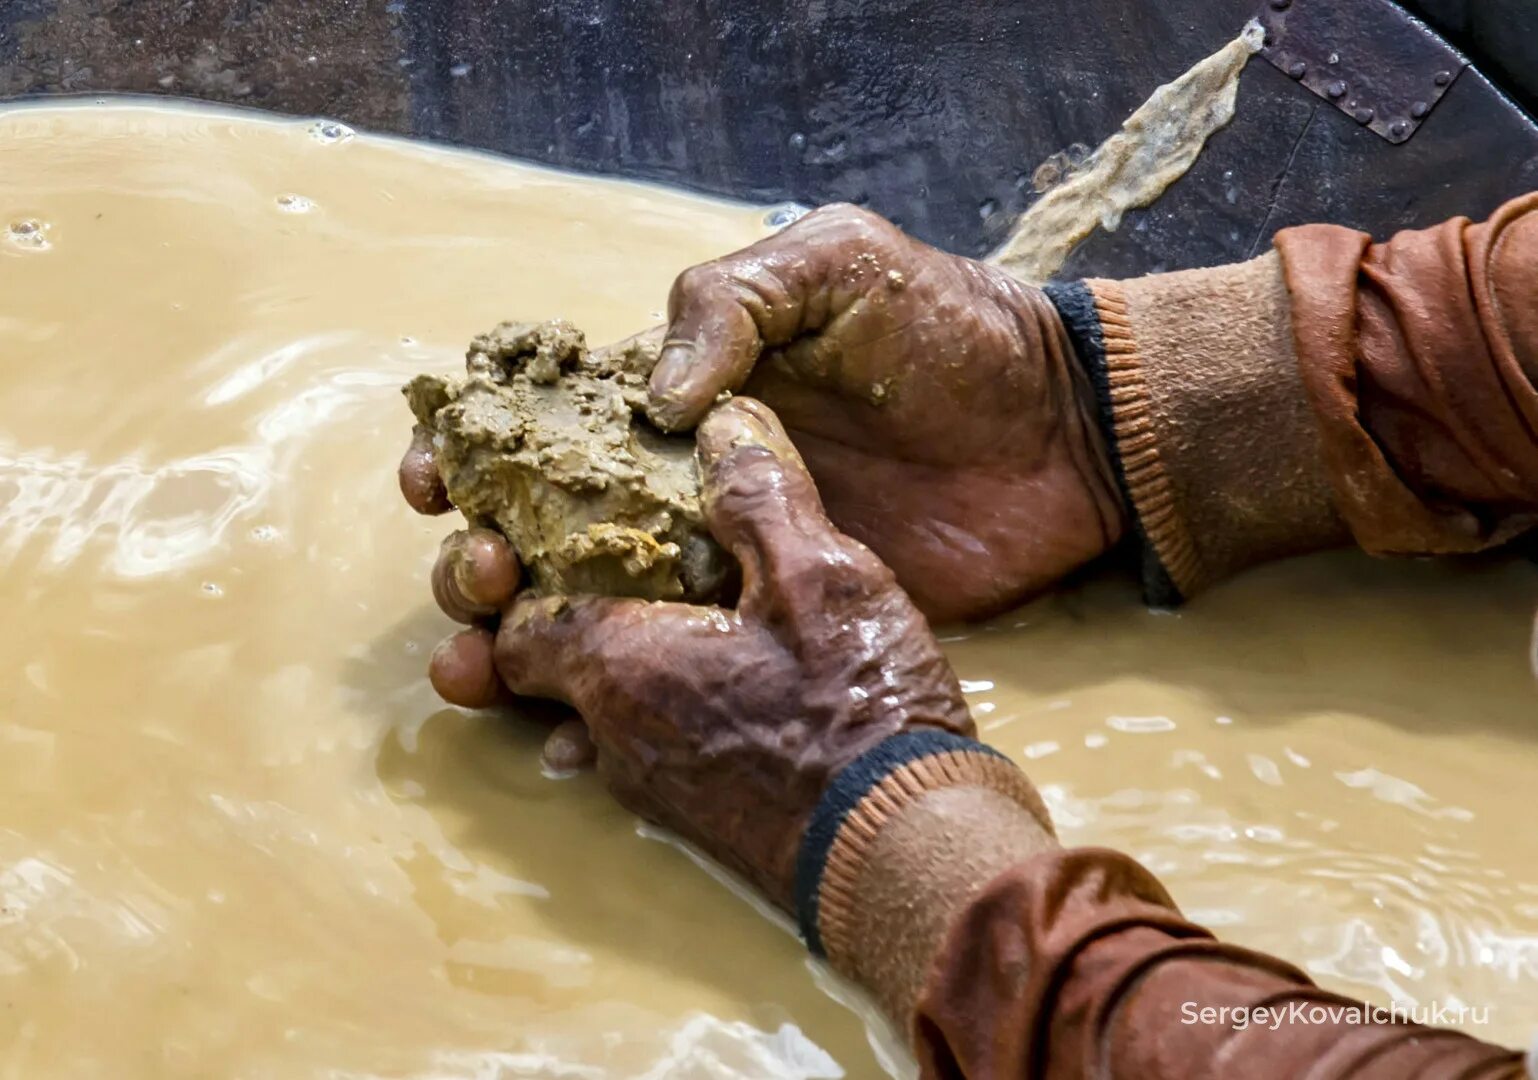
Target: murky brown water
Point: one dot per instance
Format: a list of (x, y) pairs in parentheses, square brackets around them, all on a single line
[(238, 835)]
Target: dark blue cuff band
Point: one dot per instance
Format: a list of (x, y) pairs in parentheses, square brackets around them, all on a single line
[(852, 783), (1075, 303)]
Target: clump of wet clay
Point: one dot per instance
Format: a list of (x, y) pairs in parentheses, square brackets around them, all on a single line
[(547, 442)]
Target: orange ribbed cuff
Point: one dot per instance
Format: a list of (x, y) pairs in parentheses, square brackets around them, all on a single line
[(849, 855), (1148, 481)]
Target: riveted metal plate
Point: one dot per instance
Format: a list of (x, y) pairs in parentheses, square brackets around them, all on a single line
[(1368, 58)]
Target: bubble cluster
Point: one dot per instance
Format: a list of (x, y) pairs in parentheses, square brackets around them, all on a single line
[(330, 131), (29, 234), (1058, 168)]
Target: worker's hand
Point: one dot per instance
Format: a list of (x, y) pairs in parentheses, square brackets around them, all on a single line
[(935, 400), (722, 725)]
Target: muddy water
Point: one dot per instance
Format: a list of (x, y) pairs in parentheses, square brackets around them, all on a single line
[(238, 835)]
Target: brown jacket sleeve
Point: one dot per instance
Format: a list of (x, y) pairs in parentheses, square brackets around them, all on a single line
[(1335, 389), (1420, 358), (1009, 957), (1076, 964), (1331, 390)]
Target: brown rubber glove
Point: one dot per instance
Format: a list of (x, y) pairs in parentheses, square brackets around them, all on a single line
[(936, 401), (722, 725)]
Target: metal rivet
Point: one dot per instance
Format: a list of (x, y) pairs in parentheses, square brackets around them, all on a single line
[(1363, 115), (1398, 129), (1335, 89), (1419, 109), (1442, 78), (1297, 69)]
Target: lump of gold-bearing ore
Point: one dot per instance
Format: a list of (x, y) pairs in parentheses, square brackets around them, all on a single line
[(547, 442)]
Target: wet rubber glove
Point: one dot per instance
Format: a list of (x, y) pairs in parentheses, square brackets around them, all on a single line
[(727, 725), (937, 402)]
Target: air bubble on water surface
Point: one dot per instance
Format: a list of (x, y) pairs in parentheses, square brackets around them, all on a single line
[(290, 203), (212, 589), (780, 216), (329, 131), (29, 234), (264, 533)]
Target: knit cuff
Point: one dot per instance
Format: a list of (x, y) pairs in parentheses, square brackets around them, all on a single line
[(1213, 438), (1075, 303), (870, 791)]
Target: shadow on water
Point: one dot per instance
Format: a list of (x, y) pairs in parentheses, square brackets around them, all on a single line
[(606, 893)]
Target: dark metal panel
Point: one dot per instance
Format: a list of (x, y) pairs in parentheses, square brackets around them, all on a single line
[(934, 114)]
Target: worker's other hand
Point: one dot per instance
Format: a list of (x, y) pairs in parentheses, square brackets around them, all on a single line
[(722, 725), (936, 401)]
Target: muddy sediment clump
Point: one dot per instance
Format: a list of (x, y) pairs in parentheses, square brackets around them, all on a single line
[(547, 442)]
